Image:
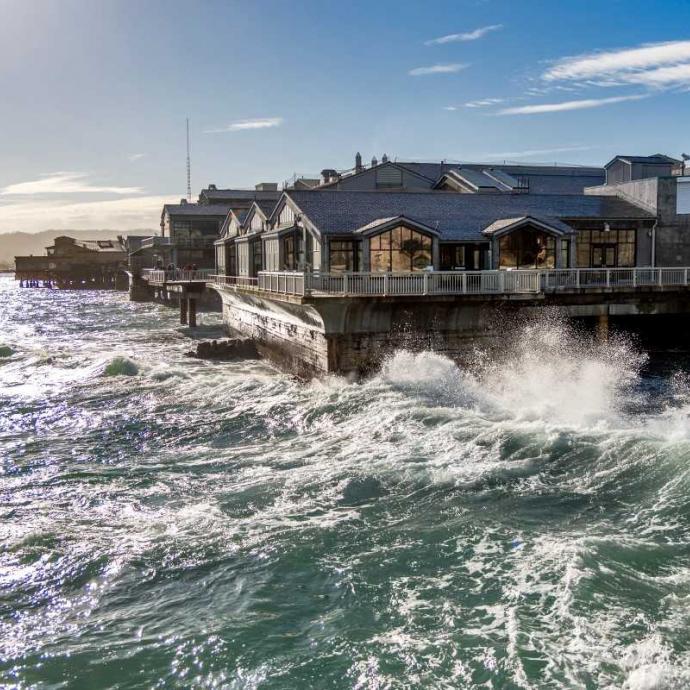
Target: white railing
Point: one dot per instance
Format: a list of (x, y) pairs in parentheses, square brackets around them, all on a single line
[(284, 282), (461, 282), (229, 281), (154, 275)]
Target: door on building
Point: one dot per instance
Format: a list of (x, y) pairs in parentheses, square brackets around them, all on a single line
[(604, 255)]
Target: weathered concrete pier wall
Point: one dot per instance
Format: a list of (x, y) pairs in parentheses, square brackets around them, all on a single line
[(311, 336)]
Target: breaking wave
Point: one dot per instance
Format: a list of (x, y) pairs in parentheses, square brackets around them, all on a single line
[(121, 366), (517, 521)]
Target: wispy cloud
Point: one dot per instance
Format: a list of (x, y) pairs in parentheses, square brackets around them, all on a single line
[(531, 153), (652, 64), (484, 102), (136, 157), (120, 214), (462, 37), (242, 125), (438, 69), (582, 104), (64, 183)]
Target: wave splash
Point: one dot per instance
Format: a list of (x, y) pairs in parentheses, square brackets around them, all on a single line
[(121, 366), (549, 372)]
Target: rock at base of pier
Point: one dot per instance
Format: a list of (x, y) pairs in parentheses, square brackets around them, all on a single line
[(228, 349)]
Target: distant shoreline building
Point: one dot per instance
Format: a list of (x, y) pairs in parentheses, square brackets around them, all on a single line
[(69, 263)]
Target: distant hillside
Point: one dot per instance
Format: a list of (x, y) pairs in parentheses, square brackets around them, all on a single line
[(24, 243)]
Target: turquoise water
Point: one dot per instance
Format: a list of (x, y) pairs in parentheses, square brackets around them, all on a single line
[(171, 523)]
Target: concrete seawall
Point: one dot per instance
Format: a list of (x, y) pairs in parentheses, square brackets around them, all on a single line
[(311, 336)]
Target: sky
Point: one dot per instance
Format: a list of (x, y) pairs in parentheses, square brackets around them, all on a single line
[(95, 93)]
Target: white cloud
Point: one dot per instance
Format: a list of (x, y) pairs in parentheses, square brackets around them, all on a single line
[(438, 69), (136, 157), (653, 64), (468, 36), (484, 102), (241, 125), (119, 214), (568, 105), (530, 153), (64, 183)]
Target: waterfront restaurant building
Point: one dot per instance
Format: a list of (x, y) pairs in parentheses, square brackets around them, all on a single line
[(362, 231)]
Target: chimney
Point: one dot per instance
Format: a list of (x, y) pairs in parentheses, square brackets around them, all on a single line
[(183, 202), (328, 175), (374, 162), (358, 162), (266, 187), (212, 188)]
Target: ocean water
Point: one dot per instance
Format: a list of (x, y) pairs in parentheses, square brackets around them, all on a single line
[(523, 522)]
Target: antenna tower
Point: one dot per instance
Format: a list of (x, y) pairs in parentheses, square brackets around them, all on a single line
[(189, 168)]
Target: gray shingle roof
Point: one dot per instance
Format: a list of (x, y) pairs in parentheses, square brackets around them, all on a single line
[(557, 225), (456, 216), (659, 158), (197, 209), (267, 205), (542, 179), (228, 195)]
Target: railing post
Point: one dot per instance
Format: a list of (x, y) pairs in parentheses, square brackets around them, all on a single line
[(345, 283), (661, 282), (425, 281), (385, 284), (608, 278), (685, 277), (634, 277), (463, 282), (501, 281), (577, 278)]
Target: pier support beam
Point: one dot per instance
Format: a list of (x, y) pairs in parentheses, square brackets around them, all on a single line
[(192, 312), (183, 310), (602, 328)]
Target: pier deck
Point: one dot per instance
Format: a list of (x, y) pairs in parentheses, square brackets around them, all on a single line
[(314, 323)]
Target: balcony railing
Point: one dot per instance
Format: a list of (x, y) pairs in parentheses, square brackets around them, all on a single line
[(460, 282), (229, 281), (177, 275)]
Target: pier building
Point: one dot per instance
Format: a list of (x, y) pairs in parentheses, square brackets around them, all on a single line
[(92, 264), (328, 277), (189, 230)]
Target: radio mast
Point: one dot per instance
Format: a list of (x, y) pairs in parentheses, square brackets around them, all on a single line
[(189, 168)]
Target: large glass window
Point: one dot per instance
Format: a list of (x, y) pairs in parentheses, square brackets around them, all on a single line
[(400, 250), (452, 256), (257, 256), (290, 253), (606, 249), (232, 260), (527, 248), (458, 256), (342, 256)]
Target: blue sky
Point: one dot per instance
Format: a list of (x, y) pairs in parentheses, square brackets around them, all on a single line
[(95, 92)]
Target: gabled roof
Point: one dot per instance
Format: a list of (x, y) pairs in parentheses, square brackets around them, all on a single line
[(656, 159), (266, 206), (458, 217), (503, 225), (380, 224), (239, 217), (476, 180), (388, 164)]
